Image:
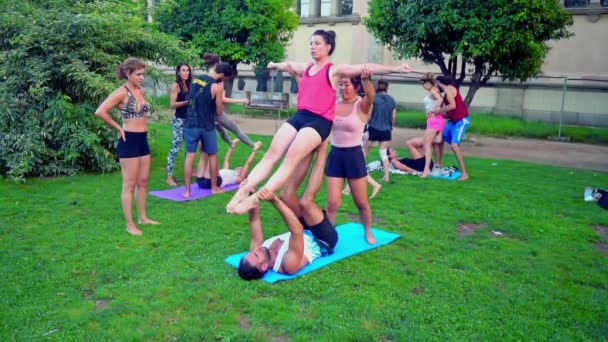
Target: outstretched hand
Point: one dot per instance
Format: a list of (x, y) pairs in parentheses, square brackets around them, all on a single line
[(405, 68), (266, 195)]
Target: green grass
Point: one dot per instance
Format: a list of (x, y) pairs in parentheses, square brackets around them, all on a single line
[(63, 247)]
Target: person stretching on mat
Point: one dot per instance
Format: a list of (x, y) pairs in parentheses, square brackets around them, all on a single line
[(414, 165), (224, 120), (346, 159), (206, 102), (312, 122), (132, 147), (290, 252), (226, 176)]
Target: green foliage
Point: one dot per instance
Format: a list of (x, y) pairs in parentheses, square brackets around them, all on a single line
[(491, 36), (57, 62), (239, 31)]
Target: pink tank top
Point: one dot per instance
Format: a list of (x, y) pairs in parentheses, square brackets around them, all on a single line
[(316, 94), (347, 130)]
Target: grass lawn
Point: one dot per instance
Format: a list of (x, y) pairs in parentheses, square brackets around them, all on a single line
[(70, 272)]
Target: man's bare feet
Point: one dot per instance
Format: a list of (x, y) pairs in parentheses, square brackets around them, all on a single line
[(171, 181), (369, 237), (375, 190), (257, 145), (246, 205), (238, 197), (464, 177), (147, 221), (234, 142), (134, 231), (425, 173)]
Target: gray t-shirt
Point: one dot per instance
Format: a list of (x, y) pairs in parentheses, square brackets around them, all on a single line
[(382, 114)]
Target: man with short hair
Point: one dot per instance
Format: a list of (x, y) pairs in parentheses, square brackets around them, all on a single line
[(381, 124), (206, 101), (289, 252)]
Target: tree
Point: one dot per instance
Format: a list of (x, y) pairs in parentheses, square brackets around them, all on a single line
[(57, 62), (508, 38), (239, 31)]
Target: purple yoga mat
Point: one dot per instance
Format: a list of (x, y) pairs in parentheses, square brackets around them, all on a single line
[(176, 194)]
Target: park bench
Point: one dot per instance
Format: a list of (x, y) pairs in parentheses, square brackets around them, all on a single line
[(271, 103)]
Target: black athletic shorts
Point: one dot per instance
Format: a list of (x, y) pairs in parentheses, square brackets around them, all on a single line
[(304, 118), (135, 146), (376, 135), (346, 162), (324, 232), (416, 164), (205, 183)]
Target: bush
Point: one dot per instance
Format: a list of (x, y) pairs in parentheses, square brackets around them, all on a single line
[(57, 62)]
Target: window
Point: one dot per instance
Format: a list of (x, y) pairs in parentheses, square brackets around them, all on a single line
[(325, 8), (346, 7), (304, 8)]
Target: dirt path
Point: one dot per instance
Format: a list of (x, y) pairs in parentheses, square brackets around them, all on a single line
[(594, 157)]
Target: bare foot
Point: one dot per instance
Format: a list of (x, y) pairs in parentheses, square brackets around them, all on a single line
[(171, 181), (384, 179), (147, 221), (238, 197), (186, 194), (425, 173), (369, 237), (234, 142), (257, 145), (464, 177), (134, 231), (246, 205), (375, 190), (217, 190)]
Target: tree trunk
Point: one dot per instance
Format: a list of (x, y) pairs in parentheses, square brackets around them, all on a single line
[(475, 84), (229, 82)]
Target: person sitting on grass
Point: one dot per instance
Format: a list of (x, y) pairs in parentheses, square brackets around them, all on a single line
[(226, 175), (413, 165)]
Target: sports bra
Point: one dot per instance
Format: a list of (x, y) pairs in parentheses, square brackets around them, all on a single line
[(130, 111)]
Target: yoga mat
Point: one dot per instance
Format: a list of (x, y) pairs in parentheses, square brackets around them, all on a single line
[(176, 194), (453, 176), (350, 242)]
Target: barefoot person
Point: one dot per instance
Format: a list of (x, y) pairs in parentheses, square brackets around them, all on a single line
[(312, 122), (178, 99), (459, 121), (132, 148), (381, 124), (346, 159), (226, 176), (435, 123), (206, 100), (415, 164), (290, 252)]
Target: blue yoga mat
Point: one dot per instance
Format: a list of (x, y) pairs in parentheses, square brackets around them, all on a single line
[(350, 242), (453, 176)]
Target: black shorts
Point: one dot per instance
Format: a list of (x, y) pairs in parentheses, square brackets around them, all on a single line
[(304, 118), (346, 162), (135, 146), (324, 232), (416, 164), (205, 183), (376, 135), (603, 202)]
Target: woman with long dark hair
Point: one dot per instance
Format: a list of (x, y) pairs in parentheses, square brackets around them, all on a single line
[(179, 101)]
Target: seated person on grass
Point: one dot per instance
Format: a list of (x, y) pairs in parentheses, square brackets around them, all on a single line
[(601, 197), (226, 175), (413, 165)]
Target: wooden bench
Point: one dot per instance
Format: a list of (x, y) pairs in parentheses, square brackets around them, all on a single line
[(272, 102)]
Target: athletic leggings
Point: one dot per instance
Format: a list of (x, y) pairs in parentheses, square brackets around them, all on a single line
[(225, 121), (176, 143)]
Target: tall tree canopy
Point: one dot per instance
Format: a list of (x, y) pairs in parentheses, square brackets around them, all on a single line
[(57, 62), (489, 36), (239, 31)]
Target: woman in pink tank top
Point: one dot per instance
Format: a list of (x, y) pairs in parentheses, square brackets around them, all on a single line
[(310, 126), (346, 159)]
